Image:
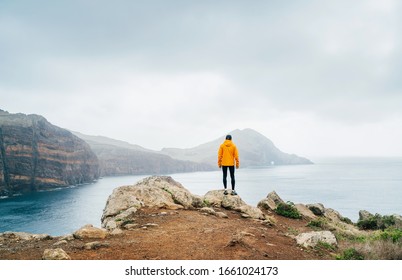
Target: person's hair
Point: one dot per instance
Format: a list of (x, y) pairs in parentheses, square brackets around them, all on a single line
[(228, 137)]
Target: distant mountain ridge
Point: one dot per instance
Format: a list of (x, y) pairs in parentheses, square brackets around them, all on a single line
[(254, 149), (122, 158), (117, 158)]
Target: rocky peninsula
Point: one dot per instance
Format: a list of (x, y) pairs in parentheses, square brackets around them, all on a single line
[(158, 218)]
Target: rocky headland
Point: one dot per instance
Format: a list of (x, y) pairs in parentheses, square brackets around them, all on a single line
[(117, 158), (158, 218), (36, 155)]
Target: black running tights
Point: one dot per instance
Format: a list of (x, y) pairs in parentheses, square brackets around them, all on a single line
[(225, 175)]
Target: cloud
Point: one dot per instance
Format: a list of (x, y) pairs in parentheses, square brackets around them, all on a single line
[(174, 73)]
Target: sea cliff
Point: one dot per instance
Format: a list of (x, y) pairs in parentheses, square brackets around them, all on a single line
[(36, 155)]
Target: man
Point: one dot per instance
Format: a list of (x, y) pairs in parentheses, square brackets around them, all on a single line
[(228, 156)]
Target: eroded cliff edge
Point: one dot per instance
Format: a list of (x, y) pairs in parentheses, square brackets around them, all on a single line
[(36, 155)]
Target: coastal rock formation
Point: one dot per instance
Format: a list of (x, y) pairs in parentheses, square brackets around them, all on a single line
[(364, 215), (311, 239), (89, 231), (211, 211), (218, 199), (55, 254), (377, 221), (164, 192), (23, 236), (270, 202), (36, 155), (155, 191), (317, 208), (331, 219), (305, 211)]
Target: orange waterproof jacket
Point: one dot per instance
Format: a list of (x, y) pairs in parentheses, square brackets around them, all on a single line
[(228, 154)]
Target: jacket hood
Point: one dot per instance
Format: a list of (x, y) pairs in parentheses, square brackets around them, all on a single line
[(228, 143)]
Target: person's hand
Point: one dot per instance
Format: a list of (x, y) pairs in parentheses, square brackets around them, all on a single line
[(237, 167), (220, 166)]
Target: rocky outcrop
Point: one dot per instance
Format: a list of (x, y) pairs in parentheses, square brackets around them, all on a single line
[(36, 155), (164, 192), (218, 199), (55, 254), (271, 202), (305, 211), (155, 191), (328, 218), (312, 239), (317, 208), (23, 236), (364, 215), (377, 221), (211, 211), (89, 231)]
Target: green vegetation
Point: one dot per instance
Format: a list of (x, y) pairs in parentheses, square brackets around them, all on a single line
[(326, 246), (379, 245), (206, 203), (317, 224), (350, 254), (376, 222), (288, 210), (391, 234)]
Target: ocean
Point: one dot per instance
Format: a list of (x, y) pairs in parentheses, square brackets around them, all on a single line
[(344, 184)]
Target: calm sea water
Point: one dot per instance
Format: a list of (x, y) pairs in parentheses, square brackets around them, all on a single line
[(347, 185)]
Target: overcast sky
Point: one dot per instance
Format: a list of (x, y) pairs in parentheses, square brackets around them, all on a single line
[(318, 77)]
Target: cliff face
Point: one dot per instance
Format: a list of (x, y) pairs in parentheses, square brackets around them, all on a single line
[(36, 155)]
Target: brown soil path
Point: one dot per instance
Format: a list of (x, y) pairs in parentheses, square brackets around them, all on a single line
[(184, 235)]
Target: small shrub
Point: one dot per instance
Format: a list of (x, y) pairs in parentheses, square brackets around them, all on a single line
[(287, 210), (376, 222), (368, 224), (325, 245), (386, 222), (350, 254), (317, 224), (395, 235)]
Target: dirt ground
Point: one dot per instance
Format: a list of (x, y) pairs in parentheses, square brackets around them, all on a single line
[(183, 235)]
